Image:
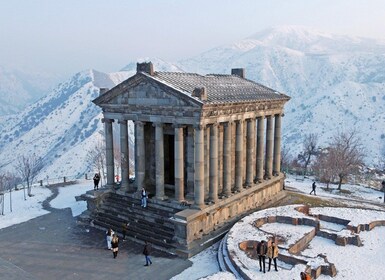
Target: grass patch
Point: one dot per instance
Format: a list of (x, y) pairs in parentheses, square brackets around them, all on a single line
[(313, 201)]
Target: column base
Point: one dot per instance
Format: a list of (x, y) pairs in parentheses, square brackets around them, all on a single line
[(163, 197)]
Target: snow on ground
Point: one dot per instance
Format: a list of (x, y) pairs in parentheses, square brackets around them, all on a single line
[(204, 264), (371, 254), (357, 192), (66, 197), (23, 210), (354, 262), (350, 260)]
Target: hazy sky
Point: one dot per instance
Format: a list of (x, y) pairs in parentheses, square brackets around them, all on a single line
[(67, 36)]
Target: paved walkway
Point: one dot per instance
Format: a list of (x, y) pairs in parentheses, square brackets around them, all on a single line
[(55, 246)]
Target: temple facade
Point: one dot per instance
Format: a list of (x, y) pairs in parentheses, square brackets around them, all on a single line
[(212, 142)]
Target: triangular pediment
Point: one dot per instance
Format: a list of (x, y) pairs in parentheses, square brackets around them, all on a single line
[(142, 90)]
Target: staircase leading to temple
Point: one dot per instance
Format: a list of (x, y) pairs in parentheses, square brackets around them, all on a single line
[(150, 224)]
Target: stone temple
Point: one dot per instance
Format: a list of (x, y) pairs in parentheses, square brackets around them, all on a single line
[(207, 149)]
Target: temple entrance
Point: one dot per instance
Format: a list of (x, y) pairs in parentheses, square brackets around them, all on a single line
[(169, 170)]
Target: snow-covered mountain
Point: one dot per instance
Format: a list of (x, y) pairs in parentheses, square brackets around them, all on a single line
[(61, 127), (336, 83), (19, 88)]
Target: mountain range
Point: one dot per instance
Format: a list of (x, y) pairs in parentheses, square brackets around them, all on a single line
[(336, 83)]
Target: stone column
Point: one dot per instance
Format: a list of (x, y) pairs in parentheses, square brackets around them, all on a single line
[(159, 160), (207, 161), (140, 155), (109, 151), (277, 145), (124, 154), (220, 159), (179, 163), (190, 162), (227, 159), (239, 156), (213, 182), (199, 180), (269, 147), (260, 141), (250, 139)]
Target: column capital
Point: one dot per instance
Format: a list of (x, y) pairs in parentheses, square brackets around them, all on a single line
[(157, 124), (199, 126), (139, 123), (227, 124), (178, 125), (214, 124), (122, 121), (105, 120)]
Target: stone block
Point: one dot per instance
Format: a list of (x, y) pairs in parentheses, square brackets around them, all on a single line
[(341, 241)]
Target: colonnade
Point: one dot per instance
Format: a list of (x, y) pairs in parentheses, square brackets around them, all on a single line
[(256, 156)]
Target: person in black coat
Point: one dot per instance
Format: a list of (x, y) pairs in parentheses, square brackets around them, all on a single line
[(313, 188), (146, 253), (261, 252), (115, 245), (96, 181)]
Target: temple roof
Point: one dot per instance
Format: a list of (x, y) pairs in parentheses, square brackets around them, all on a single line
[(219, 88)]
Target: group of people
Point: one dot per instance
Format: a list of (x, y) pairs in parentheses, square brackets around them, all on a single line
[(113, 244), (271, 250)]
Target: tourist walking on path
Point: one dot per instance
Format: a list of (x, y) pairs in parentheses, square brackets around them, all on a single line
[(144, 198), (96, 181), (109, 235), (272, 254), (146, 253), (115, 245), (313, 188), (261, 252)]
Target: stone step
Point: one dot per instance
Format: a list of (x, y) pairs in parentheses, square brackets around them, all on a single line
[(142, 236), (129, 200), (163, 231), (220, 259), (227, 260), (143, 216), (135, 209)]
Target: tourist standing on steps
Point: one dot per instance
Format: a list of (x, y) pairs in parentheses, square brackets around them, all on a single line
[(96, 181), (313, 188), (115, 245), (261, 252), (272, 254), (144, 198), (146, 253), (109, 235), (124, 230)]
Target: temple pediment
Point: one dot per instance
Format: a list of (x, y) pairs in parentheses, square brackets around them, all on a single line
[(143, 91)]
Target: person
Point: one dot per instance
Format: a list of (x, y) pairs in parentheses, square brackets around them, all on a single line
[(124, 230), (313, 188), (144, 198), (109, 235), (117, 178), (304, 276), (261, 252), (272, 254), (146, 253), (115, 245), (96, 181)]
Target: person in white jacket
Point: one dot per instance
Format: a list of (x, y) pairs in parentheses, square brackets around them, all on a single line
[(109, 234)]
